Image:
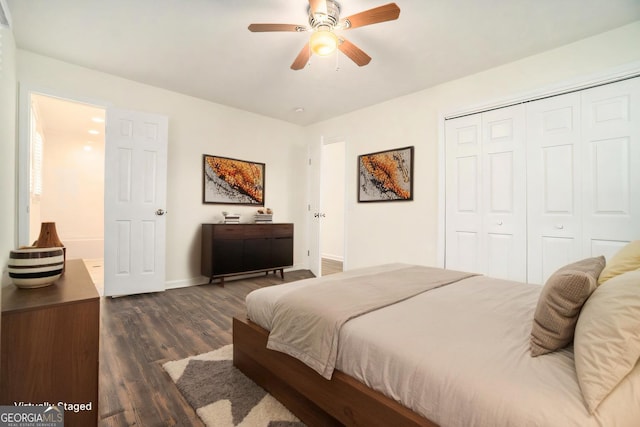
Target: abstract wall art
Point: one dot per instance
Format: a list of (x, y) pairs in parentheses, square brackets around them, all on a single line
[(386, 176), (232, 182)]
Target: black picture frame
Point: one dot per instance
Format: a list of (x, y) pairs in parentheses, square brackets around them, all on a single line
[(386, 176), (228, 181)]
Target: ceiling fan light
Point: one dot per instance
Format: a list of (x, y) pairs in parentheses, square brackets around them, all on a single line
[(323, 42)]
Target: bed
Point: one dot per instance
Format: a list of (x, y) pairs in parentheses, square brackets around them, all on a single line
[(454, 354)]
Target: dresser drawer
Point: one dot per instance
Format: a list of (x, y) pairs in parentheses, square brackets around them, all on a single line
[(282, 230), (228, 231), (232, 249), (254, 231)]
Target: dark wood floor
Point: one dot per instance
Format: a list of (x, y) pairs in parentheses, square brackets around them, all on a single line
[(140, 333)]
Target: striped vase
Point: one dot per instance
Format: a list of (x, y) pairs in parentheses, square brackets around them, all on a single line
[(35, 267)]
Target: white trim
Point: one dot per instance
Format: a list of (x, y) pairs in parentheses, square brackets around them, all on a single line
[(25, 90), (203, 280), (185, 283), (440, 249), (333, 257), (571, 85), (326, 140), (345, 202), (575, 84)]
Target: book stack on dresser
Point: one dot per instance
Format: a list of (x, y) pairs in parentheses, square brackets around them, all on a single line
[(232, 219), (264, 218)]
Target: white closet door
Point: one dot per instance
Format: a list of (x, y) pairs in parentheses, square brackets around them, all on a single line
[(554, 196), (486, 194), (504, 243), (463, 228), (611, 140)]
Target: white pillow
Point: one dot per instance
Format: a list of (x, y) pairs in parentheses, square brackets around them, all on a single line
[(607, 337)]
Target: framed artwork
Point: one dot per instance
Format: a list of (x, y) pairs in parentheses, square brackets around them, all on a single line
[(232, 182), (386, 176)]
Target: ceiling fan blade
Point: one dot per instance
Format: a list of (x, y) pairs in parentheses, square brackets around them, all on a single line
[(318, 6), (260, 28), (388, 12), (354, 53), (302, 59)]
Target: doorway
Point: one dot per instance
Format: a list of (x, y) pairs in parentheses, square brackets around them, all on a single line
[(66, 177), (332, 200)]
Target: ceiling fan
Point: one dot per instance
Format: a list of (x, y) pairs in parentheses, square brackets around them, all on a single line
[(324, 19)]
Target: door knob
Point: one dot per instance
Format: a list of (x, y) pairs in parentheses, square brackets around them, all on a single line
[(160, 212), (319, 215)]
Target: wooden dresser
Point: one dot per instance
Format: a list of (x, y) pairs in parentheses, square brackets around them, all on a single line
[(231, 249), (50, 345)]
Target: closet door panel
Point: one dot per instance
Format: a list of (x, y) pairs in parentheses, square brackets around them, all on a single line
[(498, 249), (533, 191), (556, 252), (468, 251), (611, 138), (608, 248), (553, 185), (610, 176), (463, 183), (504, 193)]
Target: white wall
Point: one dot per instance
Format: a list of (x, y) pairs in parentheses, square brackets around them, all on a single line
[(73, 193), (375, 232), (332, 201), (196, 127), (8, 226), (409, 231)]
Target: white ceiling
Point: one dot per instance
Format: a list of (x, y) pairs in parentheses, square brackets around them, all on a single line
[(203, 48), (80, 124)]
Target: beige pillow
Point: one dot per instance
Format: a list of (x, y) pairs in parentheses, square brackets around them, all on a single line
[(626, 259), (607, 338), (560, 302)]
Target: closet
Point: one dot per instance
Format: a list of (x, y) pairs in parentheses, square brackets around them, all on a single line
[(534, 186)]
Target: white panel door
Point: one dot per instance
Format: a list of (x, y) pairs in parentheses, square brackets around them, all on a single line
[(463, 194), (554, 185), (135, 202), (611, 140), (504, 243)]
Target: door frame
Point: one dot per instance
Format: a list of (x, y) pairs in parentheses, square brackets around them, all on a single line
[(609, 75), (337, 140), (24, 147), (314, 195)]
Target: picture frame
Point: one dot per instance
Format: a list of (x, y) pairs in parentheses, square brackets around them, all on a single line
[(229, 181), (386, 176)]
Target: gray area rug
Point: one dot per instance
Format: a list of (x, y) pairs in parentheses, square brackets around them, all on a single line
[(222, 396)]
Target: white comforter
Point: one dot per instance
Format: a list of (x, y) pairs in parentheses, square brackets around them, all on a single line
[(307, 321), (459, 355)]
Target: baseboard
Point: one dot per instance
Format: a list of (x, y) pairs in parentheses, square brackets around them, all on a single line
[(185, 283), (201, 280), (333, 257)]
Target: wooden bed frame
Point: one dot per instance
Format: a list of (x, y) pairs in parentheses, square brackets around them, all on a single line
[(342, 400)]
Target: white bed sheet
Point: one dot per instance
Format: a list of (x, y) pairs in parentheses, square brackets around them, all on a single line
[(459, 355)]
